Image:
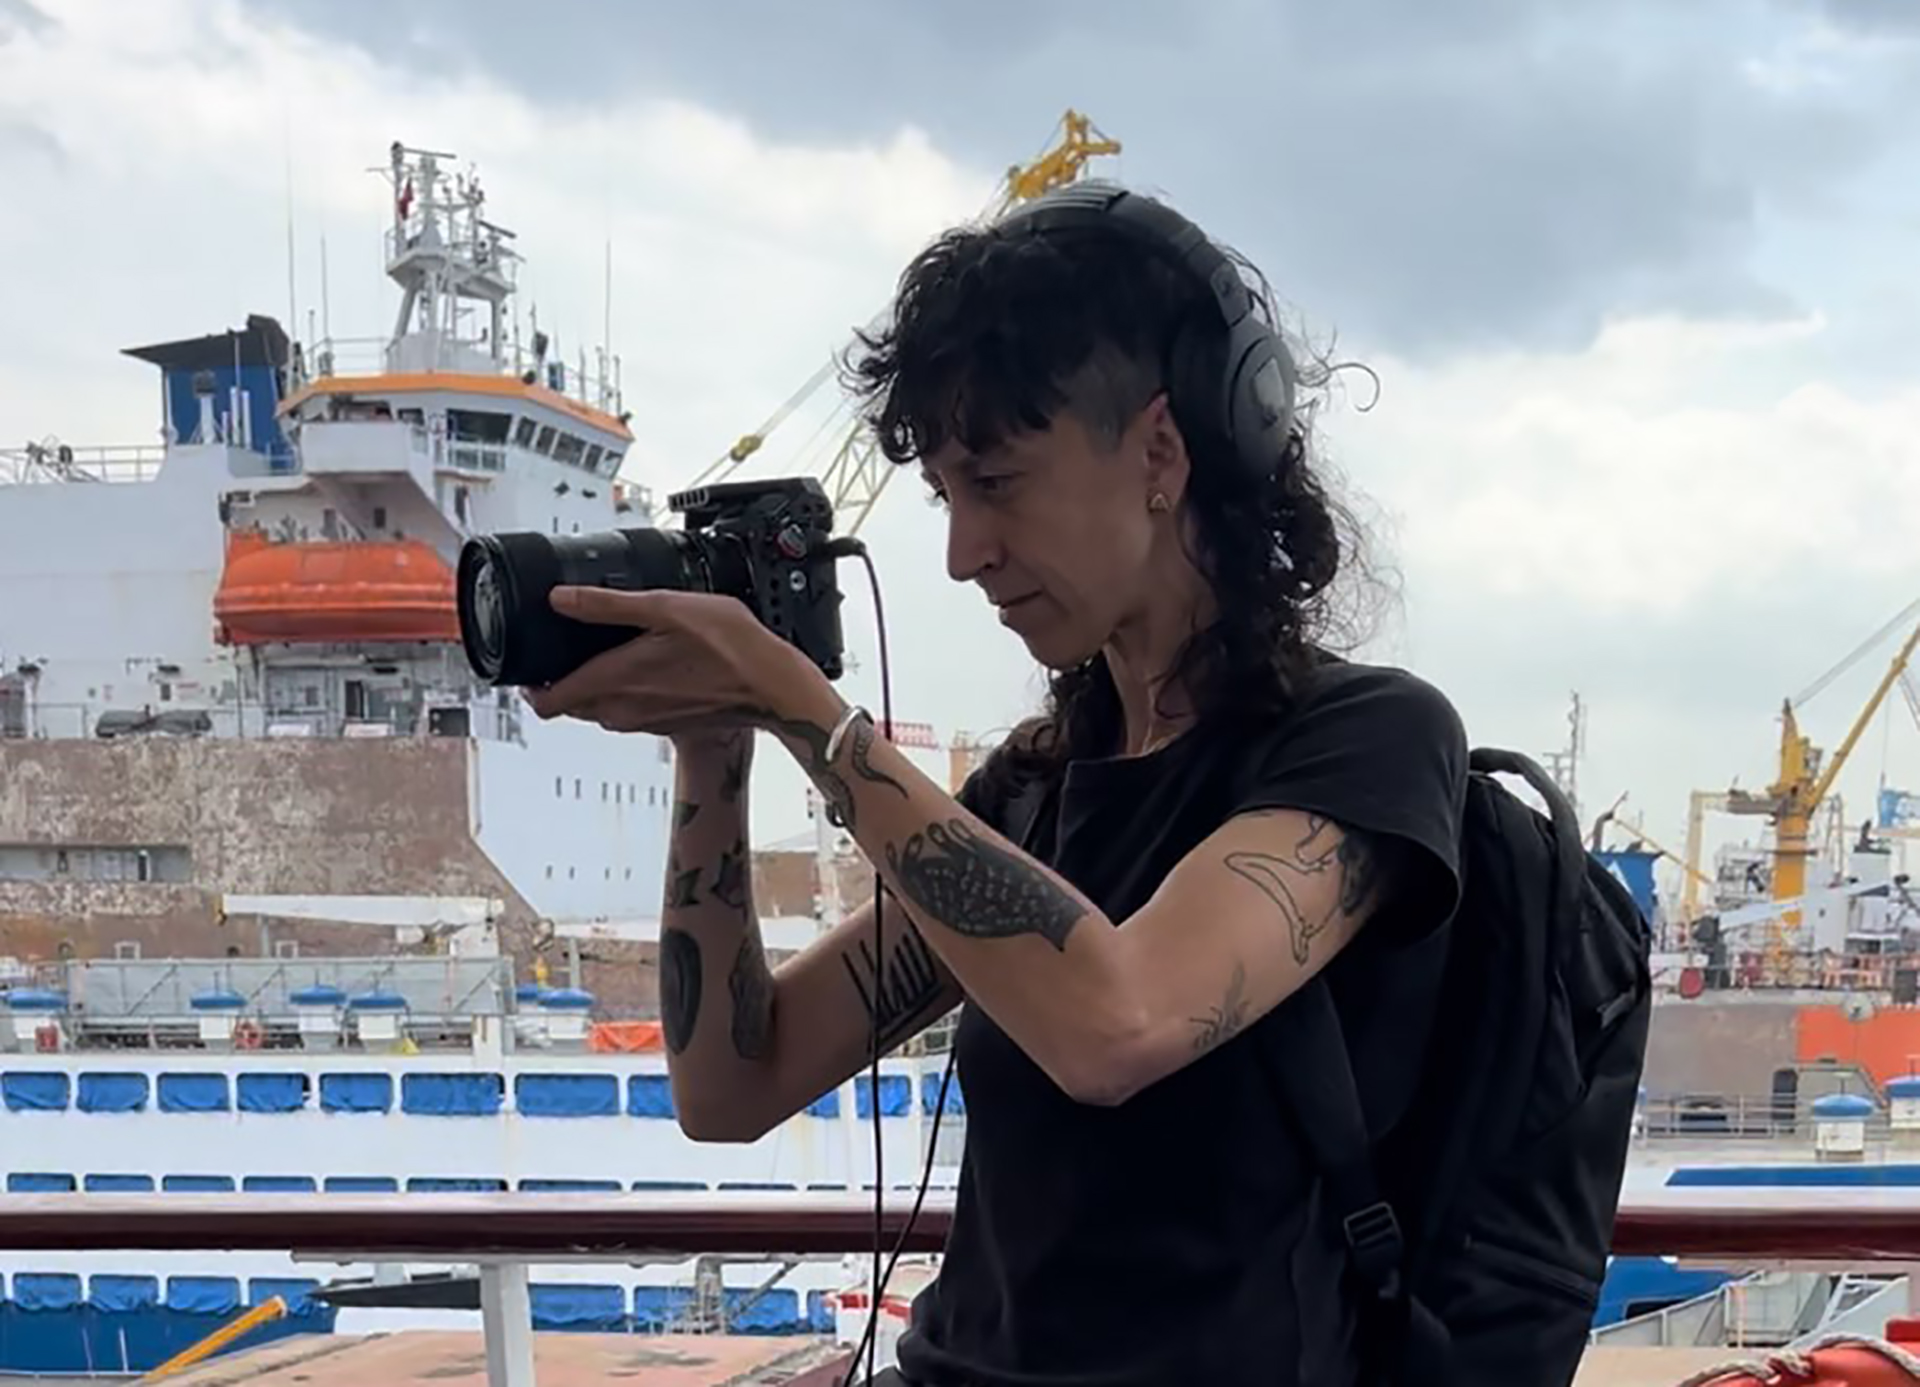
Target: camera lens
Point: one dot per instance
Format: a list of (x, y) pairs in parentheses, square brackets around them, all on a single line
[(512, 634)]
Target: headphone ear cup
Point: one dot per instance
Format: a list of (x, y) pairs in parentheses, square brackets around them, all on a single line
[(1260, 398), (1198, 386)]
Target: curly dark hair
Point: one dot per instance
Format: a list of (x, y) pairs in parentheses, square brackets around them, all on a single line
[(994, 334)]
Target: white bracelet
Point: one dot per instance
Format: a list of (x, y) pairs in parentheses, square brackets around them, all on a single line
[(840, 729)]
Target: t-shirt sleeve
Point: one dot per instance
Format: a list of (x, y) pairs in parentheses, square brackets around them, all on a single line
[(1383, 752)]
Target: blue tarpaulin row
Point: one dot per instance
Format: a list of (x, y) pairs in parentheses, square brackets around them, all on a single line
[(56, 1182), (425, 1095)]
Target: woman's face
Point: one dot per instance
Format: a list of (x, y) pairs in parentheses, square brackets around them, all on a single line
[(1056, 529)]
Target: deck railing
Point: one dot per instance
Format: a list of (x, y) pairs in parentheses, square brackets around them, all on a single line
[(502, 1234)]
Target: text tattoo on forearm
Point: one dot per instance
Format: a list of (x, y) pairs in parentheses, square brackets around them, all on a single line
[(896, 990)]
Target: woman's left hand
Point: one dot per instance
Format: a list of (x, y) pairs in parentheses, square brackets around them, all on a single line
[(698, 662)]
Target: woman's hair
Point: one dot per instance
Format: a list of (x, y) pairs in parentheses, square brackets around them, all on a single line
[(994, 335)]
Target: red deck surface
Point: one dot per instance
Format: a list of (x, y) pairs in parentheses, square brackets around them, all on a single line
[(433, 1358)]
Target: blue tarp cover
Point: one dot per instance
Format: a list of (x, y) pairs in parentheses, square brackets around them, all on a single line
[(296, 1291), (356, 1092), (649, 1095), (123, 1294), (193, 1093), (579, 1307), (119, 1184), (569, 1186), (113, 1092), (452, 1095), (454, 1184), (39, 1182), (277, 1184), (362, 1184), (203, 1295), (34, 1092), (895, 1095), (930, 1095), (272, 1092), (196, 1184), (46, 1290), (567, 1095)]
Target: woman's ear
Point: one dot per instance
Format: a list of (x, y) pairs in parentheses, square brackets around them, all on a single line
[(1162, 450)]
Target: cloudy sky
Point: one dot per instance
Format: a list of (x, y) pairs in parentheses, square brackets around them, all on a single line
[(1640, 283)]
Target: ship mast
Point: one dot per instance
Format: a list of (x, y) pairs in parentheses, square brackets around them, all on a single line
[(446, 257)]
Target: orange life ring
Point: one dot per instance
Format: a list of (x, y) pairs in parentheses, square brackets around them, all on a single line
[(247, 1036), (1842, 1361)]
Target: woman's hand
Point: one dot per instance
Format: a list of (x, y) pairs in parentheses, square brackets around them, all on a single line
[(698, 668)]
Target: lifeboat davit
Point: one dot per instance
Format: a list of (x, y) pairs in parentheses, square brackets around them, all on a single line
[(333, 590)]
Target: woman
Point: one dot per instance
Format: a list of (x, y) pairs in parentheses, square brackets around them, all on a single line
[(1210, 811)]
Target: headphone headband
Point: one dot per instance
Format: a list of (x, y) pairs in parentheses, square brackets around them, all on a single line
[(1248, 401)]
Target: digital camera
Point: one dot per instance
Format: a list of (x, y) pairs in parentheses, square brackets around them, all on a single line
[(769, 544)]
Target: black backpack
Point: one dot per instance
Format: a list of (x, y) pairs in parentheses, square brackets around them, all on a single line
[(1478, 1231)]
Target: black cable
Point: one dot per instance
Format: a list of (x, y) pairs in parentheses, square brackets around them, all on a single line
[(869, 1341)]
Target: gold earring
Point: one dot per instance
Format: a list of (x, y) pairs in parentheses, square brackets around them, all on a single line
[(1159, 502)]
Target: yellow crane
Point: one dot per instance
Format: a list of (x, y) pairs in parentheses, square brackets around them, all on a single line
[(1802, 782), (854, 474)]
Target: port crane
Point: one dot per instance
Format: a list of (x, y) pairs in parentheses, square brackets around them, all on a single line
[(855, 474), (1802, 783)]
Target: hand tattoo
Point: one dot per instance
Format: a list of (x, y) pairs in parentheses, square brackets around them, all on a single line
[(1223, 1022), (1323, 849), (975, 887), (751, 986), (680, 985)]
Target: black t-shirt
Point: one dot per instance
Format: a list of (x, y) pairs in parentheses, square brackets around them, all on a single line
[(1171, 1241)]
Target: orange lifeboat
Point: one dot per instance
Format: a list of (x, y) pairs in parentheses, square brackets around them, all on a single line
[(333, 590), (1841, 1361)]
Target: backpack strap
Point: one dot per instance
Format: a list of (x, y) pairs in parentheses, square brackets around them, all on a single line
[(1307, 1059)]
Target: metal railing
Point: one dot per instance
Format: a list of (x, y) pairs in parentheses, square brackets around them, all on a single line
[(62, 462), (501, 1234)]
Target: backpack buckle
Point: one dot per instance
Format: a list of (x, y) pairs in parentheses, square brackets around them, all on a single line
[(1373, 1237)]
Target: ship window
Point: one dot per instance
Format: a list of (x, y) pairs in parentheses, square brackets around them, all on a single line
[(544, 444), (379, 517), (576, 787), (611, 467), (557, 784), (569, 449), (478, 426), (523, 432), (594, 454)]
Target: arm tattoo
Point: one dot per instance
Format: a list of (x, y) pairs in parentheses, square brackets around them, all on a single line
[(1321, 850), (680, 983), (683, 813), (751, 986), (682, 886), (733, 778), (730, 877), (1223, 1022), (977, 888), (896, 990), (832, 786), (862, 754)]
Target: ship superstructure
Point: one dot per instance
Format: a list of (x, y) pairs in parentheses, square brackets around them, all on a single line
[(231, 662)]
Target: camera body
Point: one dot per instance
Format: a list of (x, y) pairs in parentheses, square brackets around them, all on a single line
[(769, 544)]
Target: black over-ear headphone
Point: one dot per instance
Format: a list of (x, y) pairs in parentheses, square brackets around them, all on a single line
[(1249, 404)]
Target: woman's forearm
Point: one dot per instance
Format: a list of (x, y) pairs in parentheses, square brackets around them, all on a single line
[(716, 990), (1031, 950)]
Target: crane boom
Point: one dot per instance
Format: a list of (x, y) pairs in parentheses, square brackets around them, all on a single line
[(854, 473)]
